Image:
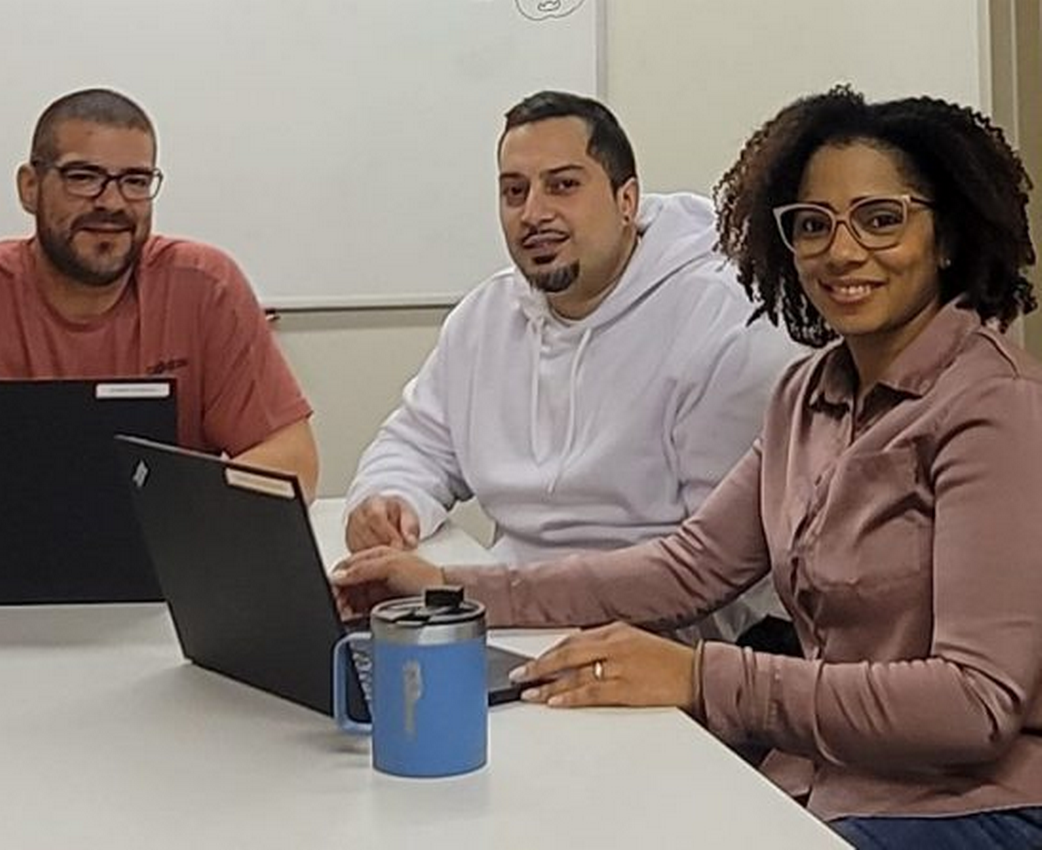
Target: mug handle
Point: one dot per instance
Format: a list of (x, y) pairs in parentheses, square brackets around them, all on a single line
[(342, 682)]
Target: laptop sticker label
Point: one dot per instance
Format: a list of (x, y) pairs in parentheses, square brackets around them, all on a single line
[(132, 390), (258, 483)]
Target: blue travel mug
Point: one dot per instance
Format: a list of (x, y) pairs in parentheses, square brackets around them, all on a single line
[(429, 703)]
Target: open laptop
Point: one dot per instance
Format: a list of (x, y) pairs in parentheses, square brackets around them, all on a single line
[(240, 569), (67, 528)]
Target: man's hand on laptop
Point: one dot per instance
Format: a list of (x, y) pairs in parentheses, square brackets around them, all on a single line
[(382, 521), (362, 580)]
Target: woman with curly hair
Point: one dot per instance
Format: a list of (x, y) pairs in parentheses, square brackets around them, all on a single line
[(892, 494)]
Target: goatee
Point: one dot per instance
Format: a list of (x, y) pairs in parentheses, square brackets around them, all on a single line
[(556, 281)]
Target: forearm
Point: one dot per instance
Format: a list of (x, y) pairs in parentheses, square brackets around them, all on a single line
[(413, 457), (391, 469), (581, 590), (874, 714), (291, 449), (662, 584), (641, 584)]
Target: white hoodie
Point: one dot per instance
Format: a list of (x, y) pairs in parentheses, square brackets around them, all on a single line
[(593, 434)]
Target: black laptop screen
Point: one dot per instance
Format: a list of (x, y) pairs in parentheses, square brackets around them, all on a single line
[(68, 532)]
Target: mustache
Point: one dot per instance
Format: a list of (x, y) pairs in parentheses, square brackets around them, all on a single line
[(91, 219), (541, 231)]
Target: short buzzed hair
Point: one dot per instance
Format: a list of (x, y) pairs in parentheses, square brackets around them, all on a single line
[(98, 106)]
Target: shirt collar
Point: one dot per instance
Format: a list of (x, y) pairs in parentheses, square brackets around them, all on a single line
[(914, 371)]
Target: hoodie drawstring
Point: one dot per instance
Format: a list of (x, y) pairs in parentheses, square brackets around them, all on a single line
[(569, 434), (535, 325)]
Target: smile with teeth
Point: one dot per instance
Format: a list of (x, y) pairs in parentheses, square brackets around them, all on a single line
[(847, 292)]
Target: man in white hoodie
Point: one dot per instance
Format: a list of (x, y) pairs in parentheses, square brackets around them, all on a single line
[(592, 395)]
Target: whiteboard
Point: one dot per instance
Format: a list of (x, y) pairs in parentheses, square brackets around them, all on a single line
[(343, 151)]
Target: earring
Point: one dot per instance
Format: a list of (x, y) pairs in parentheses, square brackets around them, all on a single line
[(944, 263)]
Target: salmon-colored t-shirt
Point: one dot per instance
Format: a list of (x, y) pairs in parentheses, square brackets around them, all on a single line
[(188, 313)]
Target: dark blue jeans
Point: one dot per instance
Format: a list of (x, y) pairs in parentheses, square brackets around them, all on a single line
[(1011, 829)]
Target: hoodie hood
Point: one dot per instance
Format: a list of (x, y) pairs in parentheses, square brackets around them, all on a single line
[(674, 230)]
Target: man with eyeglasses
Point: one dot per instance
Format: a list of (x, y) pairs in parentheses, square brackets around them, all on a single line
[(94, 294)]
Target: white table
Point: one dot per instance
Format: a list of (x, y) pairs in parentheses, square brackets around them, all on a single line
[(111, 740)]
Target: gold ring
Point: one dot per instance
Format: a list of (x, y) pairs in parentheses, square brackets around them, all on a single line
[(598, 670)]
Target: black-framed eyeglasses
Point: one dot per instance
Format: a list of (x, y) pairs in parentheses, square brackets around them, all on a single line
[(876, 223), (89, 181)]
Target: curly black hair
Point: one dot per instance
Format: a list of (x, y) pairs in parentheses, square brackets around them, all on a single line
[(954, 154)]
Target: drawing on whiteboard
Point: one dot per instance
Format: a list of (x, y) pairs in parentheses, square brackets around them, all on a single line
[(540, 10)]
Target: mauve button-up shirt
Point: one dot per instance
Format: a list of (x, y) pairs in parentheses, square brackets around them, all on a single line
[(904, 536)]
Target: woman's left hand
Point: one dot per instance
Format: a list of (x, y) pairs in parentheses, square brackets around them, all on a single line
[(611, 665)]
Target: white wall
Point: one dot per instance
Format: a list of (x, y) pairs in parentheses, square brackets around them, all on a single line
[(353, 366), (689, 79), (692, 79)]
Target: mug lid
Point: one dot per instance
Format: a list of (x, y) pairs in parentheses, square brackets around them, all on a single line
[(438, 606)]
